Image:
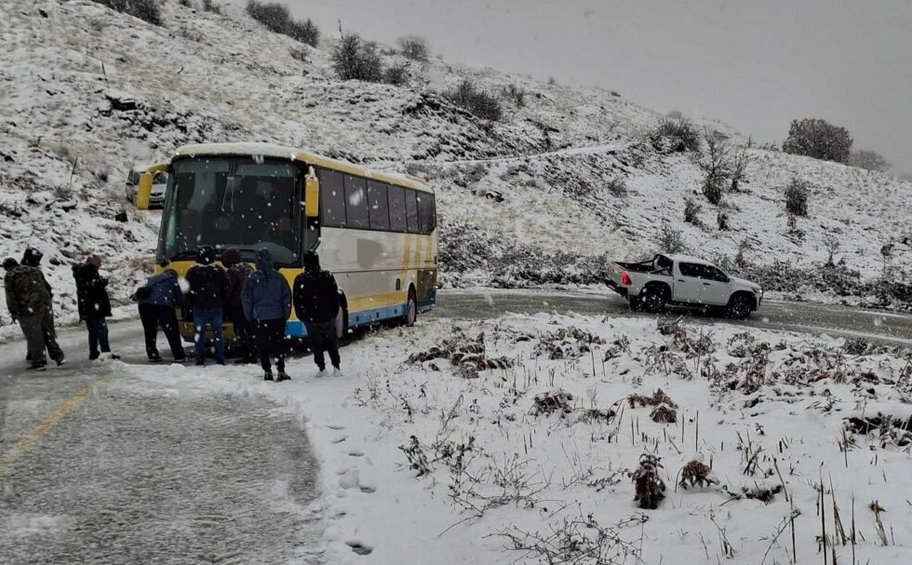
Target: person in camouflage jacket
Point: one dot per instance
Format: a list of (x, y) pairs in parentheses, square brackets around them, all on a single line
[(29, 299)]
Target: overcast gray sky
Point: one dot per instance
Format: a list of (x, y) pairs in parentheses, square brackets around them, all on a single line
[(755, 64)]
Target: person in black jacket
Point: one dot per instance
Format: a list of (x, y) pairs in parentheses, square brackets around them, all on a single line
[(94, 304), (208, 285), (316, 303), (157, 300), (238, 272)]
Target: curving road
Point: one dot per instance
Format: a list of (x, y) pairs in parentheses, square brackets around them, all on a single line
[(838, 321)]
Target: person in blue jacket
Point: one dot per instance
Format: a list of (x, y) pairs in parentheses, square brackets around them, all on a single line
[(157, 300), (266, 299)]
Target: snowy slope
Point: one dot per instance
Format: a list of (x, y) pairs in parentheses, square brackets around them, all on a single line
[(86, 86)]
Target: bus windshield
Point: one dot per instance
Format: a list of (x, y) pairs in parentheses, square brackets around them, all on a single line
[(225, 202)]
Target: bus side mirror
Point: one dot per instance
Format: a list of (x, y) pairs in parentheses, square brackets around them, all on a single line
[(144, 191), (311, 197)]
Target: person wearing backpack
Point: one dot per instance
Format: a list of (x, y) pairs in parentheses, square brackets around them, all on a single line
[(238, 272), (208, 284), (156, 302), (93, 304), (28, 298), (316, 303), (267, 300)]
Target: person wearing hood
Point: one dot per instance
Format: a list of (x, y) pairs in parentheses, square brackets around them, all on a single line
[(266, 299), (29, 299), (94, 304), (208, 285), (156, 301), (238, 272), (316, 303)]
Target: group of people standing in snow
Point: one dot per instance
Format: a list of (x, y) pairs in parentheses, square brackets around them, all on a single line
[(257, 303)]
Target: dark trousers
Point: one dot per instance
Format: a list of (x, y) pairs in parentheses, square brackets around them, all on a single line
[(323, 338), (243, 331), (39, 333), (270, 336), (154, 316), (98, 336), (213, 318)]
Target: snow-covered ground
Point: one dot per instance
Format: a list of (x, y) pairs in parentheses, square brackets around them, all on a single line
[(456, 440), (87, 92)]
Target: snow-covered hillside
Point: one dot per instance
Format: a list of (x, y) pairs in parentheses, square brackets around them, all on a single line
[(87, 92)]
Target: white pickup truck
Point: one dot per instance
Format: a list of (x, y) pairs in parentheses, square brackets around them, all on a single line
[(680, 280)]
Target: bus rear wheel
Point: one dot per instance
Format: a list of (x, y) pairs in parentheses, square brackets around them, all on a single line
[(411, 309), (341, 323)]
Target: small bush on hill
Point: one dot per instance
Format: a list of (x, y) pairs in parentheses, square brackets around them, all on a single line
[(476, 101), (692, 212), (617, 186), (185, 3), (869, 160), (147, 10), (354, 59), (796, 198), (681, 133), (818, 139), (670, 240), (414, 47), (210, 6), (277, 18), (515, 93), (397, 75)]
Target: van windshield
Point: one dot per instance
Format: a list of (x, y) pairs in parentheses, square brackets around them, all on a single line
[(242, 202)]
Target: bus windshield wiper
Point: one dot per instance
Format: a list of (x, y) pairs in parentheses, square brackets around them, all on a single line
[(184, 255)]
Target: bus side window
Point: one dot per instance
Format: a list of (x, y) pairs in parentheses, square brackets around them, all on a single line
[(397, 209), (378, 207), (356, 202), (411, 211), (426, 215), (332, 199)]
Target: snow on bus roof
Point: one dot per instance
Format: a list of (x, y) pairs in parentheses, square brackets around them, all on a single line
[(285, 152)]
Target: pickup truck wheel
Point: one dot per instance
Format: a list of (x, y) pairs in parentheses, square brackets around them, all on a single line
[(739, 308), (652, 300)]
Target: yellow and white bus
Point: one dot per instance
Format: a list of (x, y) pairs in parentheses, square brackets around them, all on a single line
[(375, 232)]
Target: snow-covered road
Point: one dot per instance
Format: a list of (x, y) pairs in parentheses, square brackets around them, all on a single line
[(806, 317)]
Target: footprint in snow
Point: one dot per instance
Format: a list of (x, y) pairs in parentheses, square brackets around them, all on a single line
[(359, 547), (340, 439), (336, 427), (356, 453)]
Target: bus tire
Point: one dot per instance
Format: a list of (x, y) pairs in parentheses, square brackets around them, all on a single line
[(411, 308), (341, 323)]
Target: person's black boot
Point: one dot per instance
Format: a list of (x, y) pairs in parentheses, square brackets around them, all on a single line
[(283, 376), (267, 376)]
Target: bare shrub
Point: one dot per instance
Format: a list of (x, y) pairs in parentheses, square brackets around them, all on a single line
[(300, 55), (818, 139), (722, 221), (649, 486), (210, 6), (692, 212), (185, 3), (476, 101), (550, 402), (468, 356), (516, 94), (697, 473), (796, 198), (617, 186), (354, 59), (146, 10), (670, 240), (397, 75), (577, 540), (869, 160), (715, 164), (831, 243), (277, 18), (738, 168), (679, 134), (414, 47)]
